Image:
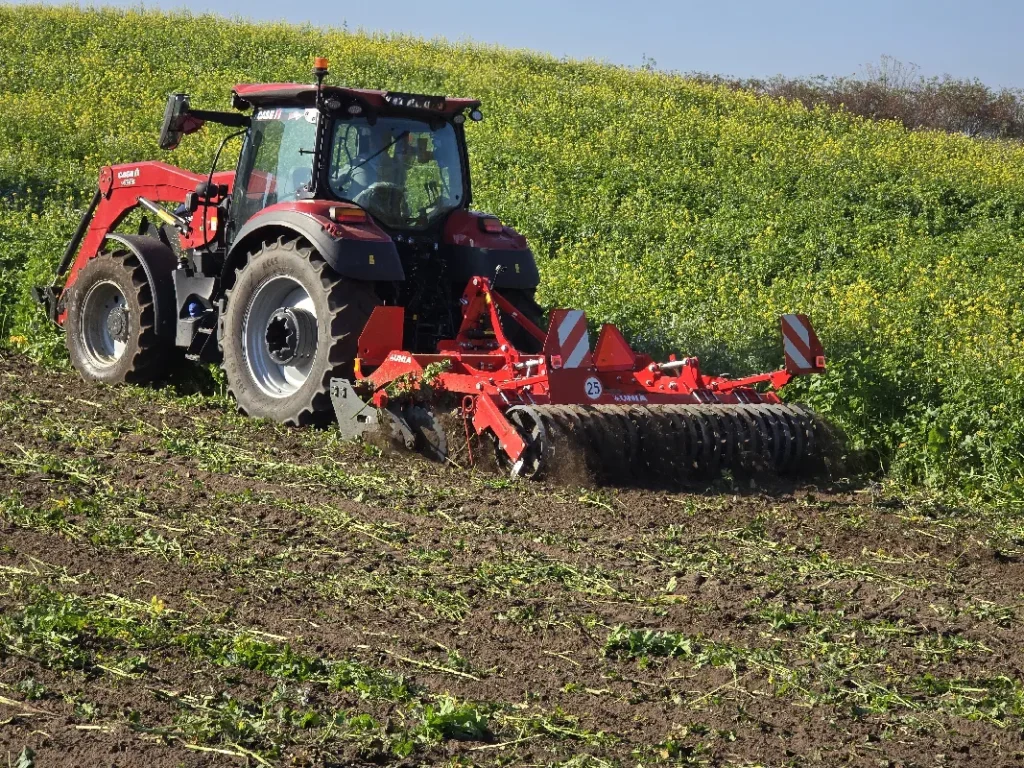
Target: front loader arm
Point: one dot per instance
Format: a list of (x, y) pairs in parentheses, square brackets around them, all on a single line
[(119, 190)]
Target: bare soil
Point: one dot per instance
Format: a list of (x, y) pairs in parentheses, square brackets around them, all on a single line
[(788, 625)]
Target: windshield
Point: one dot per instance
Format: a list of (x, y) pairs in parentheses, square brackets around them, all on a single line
[(403, 172)]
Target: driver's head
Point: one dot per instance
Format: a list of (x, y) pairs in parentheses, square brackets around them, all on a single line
[(366, 147)]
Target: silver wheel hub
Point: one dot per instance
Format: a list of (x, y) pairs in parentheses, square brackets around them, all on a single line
[(291, 336), (105, 324), (279, 336), (117, 324)]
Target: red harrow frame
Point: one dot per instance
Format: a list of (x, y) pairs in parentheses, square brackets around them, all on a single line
[(621, 410)]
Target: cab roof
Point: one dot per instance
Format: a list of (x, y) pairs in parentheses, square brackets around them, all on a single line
[(304, 94)]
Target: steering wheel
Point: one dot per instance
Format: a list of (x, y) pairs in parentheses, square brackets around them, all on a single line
[(379, 188)]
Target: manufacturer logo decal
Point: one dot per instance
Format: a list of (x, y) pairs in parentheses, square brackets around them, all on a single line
[(128, 177), (397, 358), (630, 398)]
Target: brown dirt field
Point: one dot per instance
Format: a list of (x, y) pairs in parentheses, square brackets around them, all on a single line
[(150, 543)]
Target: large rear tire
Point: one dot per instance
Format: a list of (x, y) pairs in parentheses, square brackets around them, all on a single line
[(110, 332), (291, 323)]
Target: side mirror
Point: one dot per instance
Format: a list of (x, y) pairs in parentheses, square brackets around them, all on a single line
[(177, 121)]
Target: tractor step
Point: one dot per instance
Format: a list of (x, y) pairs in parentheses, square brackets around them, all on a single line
[(203, 342)]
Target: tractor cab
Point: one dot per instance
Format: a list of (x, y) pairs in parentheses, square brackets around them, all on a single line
[(399, 157)]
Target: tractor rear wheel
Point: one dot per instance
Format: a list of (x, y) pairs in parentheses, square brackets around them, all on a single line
[(291, 324), (109, 326)]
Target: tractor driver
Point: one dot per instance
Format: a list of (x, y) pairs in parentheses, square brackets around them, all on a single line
[(372, 177), (369, 165)]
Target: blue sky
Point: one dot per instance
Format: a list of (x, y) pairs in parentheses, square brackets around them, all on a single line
[(744, 38)]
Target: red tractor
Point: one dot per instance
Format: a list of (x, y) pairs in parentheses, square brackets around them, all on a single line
[(341, 261)]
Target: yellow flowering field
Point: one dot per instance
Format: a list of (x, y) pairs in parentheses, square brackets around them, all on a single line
[(687, 213)]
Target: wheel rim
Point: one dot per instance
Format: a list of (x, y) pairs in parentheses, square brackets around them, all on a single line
[(277, 301), (530, 427), (105, 324)]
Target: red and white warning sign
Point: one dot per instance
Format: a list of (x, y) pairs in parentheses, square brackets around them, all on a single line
[(567, 340), (804, 353)]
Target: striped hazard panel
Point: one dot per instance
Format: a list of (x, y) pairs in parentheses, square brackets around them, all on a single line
[(804, 353), (568, 343)]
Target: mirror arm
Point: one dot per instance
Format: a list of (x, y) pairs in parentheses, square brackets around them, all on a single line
[(230, 119)]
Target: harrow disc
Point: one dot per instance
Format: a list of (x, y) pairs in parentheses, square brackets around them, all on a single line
[(669, 442)]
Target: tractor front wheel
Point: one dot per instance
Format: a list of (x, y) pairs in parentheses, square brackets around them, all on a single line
[(109, 326), (291, 324)]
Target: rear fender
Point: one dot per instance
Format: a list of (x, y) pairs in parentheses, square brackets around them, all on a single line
[(359, 259), (158, 262)]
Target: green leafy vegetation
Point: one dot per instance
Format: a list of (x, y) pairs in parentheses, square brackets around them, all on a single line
[(278, 597), (689, 213)]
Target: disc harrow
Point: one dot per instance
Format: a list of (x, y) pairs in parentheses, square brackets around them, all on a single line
[(626, 417)]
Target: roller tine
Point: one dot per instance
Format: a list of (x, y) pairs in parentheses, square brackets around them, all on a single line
[(733, 434), (707, 457), (728, 444), (807, 423), (595, 435), (707, 441), (708, 414), (663, 443), (695, 437), (780, 447), (557, 438), (651, 440), (776, 448), (788, 443), (563, 419), (681, 464), (824, 437), (763, 457), (748, 447), (682, 433), (676, 453), (796, 449), (626, 430), (576, 436), (717, 444), (529, 424), (632, 438), (611, 441), (798, 426), (638, 416)]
